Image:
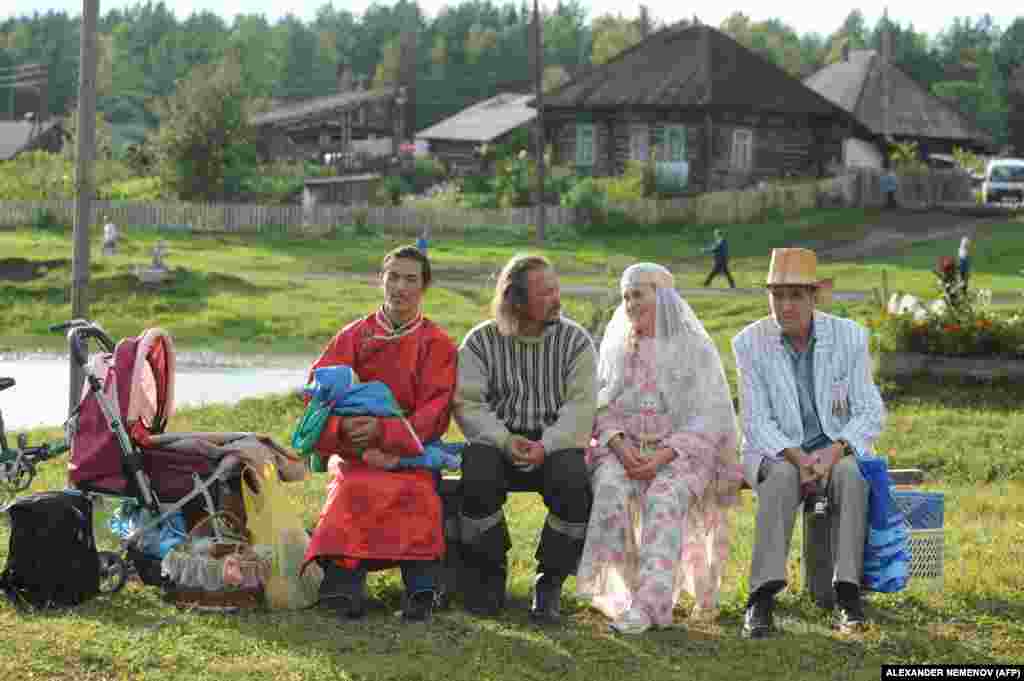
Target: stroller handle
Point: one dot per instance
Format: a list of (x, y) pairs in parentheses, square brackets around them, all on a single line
[(78, 336), (70, 324)]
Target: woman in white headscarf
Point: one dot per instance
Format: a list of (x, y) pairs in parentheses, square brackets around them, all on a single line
[(663, 461)]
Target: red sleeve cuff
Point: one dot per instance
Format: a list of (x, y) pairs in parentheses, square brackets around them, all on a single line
[(396, 436)]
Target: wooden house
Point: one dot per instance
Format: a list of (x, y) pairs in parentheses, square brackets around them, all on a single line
[(713, 113), (322, 127), (889, 104), (457, 139)]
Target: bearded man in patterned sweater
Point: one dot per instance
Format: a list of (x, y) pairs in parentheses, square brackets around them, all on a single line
[(525, 401)]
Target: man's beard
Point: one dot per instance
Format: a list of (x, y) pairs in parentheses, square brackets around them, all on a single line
[(553, 316)]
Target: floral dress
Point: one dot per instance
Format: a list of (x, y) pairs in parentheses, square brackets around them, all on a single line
[(648, 540)]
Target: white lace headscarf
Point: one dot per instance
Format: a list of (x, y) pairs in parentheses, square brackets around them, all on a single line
[(690, 375)]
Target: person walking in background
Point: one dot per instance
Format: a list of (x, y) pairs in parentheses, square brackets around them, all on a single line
[(423, 242), (720, 249), (965, 260), (110, 236)]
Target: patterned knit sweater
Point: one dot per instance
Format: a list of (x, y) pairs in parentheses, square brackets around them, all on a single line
[(518, 384)]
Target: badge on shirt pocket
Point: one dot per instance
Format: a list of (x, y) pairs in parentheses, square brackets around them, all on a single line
[(840, 398)]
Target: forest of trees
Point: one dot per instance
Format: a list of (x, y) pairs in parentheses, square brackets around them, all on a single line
[(467, 52)]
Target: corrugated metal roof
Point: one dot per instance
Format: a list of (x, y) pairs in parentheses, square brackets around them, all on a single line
[(15, 136), (695, 67), (318, 105), (484, 121), (858, 86)]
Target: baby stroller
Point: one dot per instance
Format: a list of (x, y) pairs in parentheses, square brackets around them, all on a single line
[(119, 447)]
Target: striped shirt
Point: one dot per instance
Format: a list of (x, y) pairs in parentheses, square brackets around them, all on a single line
[(520, 384)]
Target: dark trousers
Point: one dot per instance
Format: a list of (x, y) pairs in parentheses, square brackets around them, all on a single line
[(721, 267), (417, 575), (487, 478)]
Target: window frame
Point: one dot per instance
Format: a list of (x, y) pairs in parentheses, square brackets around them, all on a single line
[(746, 163), (581, 127), (639, 136)]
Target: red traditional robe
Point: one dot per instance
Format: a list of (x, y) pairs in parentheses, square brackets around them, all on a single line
[(372, 513)]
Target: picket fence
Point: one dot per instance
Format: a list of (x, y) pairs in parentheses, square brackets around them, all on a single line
[(862, 187)]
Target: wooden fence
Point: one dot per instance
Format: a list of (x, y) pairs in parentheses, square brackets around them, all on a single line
[(862, 187), (251, 218)]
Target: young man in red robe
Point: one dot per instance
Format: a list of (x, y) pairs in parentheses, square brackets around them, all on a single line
[(377, 515)]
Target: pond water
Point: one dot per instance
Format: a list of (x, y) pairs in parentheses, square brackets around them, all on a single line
[(41, 394)]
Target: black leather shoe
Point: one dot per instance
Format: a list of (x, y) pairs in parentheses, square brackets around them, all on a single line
[(759, 622), (340, 596), (419, 606), (547, 594), (851, 609), (851, 616), (483, 592), (346, 605)]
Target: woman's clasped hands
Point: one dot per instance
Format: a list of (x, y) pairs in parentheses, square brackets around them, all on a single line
[(640, 466)]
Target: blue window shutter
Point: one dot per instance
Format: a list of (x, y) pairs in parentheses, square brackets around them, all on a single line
[(676, 143), (585, 144)]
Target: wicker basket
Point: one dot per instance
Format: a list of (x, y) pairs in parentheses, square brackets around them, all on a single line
[(210, 575), (925, 515)]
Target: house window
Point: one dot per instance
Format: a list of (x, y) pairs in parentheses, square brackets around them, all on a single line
[(676, 135), (638, 143), (670, 142), (585, 145), (742, 149)]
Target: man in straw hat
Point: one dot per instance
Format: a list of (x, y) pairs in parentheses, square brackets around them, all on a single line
[(809, 406)]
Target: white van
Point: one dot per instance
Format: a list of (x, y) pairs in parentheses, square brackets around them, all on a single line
[(1004, 181)]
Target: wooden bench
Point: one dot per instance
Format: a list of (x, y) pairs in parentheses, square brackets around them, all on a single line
[(816, 564)]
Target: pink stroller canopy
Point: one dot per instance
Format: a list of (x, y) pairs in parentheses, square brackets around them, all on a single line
[(138, 382)]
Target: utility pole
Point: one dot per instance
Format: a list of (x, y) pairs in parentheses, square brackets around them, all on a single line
[(890, 199), (538, 77), (645, 22), (84, 181)]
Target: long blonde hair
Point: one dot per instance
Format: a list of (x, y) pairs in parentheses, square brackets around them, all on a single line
[(511, 292)]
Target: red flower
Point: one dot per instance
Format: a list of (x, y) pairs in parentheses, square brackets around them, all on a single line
[(951, 328)]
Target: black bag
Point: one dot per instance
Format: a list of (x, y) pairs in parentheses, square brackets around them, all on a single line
[(52, 560)]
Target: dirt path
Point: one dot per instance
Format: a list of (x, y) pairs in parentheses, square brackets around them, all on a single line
[(904, 228)]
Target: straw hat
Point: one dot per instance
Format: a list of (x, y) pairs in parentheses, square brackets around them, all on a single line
[(793, 267), (798, 267)]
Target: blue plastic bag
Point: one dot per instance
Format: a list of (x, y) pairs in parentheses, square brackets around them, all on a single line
[(156, 541)]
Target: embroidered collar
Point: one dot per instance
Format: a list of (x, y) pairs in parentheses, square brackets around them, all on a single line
[(391, 330)]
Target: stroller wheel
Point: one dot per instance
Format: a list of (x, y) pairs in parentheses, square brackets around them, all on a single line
[(113, 572)]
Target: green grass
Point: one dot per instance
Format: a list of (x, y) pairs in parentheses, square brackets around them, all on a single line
[(968, 437), (267, 294), (276, 295)]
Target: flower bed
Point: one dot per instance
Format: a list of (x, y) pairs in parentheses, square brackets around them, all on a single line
[(963, 336), (981, 334)]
